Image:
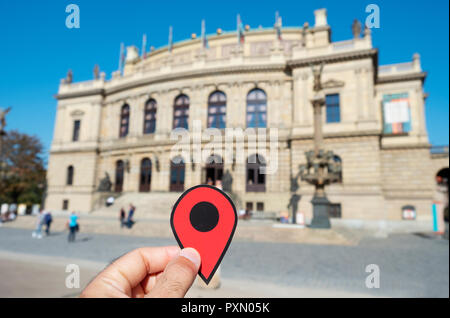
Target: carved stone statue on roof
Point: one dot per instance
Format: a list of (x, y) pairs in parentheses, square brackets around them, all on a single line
[(317, 73), (69, 77), (96, 72), (356, 29)]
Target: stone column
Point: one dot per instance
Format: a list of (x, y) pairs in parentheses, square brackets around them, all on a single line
[(359, 103), (240, 116), (420, 102), (133, 123), (164, 173), (139, 116), (305, 107), (274, 104), (133, 174), (370, 95), (414, 107), (115, 116), (167, 111)]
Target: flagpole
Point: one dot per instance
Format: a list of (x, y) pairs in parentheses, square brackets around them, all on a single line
[(204, 38), (238, 19), (121, 57), (203, 33), (170, 39), (144, 46)]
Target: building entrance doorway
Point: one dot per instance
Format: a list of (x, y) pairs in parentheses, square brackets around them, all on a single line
[(177, 171), (146, 175)]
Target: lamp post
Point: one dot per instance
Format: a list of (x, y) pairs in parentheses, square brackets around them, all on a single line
[(320, 169)]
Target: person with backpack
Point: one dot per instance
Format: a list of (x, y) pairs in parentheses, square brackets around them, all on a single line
[(48, 219)]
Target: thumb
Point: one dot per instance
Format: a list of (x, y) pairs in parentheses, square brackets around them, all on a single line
[(178, 275)]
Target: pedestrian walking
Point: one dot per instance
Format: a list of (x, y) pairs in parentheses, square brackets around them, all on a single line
[(122, 217), (37, 233), (73, 226), (48, 219), (130, 220)]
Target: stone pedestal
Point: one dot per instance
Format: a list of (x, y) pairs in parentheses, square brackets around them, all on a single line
[(321, 219)]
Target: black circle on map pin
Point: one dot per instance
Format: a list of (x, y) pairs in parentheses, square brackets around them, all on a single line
[(204, 217)]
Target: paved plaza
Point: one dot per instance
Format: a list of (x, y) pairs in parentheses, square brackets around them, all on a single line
[(411, 265)]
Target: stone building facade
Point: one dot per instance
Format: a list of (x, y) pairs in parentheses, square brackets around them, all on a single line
[(374, 121)]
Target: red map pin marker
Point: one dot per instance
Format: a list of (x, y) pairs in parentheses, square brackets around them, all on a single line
[(205, 218)]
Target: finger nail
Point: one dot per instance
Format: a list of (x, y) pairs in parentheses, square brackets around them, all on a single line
[(192, 255)]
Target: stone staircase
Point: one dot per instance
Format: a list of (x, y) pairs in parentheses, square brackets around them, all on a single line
[(153, 205), (157, 206)]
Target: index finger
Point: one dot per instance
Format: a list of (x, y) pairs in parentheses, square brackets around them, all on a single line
[(129, 270)]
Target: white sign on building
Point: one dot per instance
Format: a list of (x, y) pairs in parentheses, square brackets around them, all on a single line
[(396, 111)]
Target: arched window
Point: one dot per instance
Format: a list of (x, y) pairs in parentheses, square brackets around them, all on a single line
[(146, 175), (256, 181), (69, 180), (181, 112), (217, 104), (213, 170), (256, 109), (177, 169), (150, 117), (124, 120), (118, 185)]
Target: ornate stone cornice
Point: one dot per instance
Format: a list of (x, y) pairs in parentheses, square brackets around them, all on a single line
[(402, 77), (222, 70), (439, 156), (334, 58), (89, 92), (423, 145), (198, 73), (341, 134)]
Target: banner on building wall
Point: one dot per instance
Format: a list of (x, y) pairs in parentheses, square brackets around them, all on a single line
[(397, 113)]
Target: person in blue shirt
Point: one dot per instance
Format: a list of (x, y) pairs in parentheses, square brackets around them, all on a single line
[(73, 226), (48, 219)]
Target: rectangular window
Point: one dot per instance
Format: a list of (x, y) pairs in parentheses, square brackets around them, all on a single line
[(260, 206), (396, 114), (333, 112), (65, 205), (249, 206), (76, 130)]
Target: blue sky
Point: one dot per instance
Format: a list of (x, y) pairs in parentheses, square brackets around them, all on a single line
[(37, 49)]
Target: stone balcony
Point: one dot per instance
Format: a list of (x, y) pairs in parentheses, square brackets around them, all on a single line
[(399, 71)]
